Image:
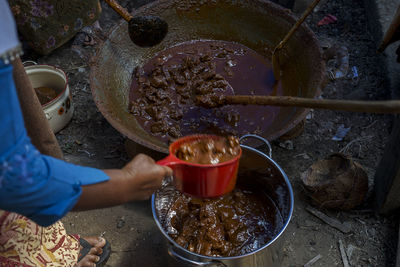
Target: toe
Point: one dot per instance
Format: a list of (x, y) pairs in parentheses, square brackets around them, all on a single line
[(96, 251), (88, 261), (95, 241)]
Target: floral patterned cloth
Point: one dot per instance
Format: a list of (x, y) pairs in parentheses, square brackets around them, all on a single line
[(48, 24), (23, 243)]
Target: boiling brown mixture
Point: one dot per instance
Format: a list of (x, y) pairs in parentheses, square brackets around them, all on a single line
[(45, 94), (163, 92), (235, 224), (209, 151)]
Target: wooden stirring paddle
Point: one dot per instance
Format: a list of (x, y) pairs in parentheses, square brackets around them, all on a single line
[(388, 106), (275, 54)]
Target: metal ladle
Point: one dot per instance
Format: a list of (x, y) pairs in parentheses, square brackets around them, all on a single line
[(144, 31)]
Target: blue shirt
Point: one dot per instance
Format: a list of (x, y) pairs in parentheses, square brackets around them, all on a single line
[(37, 186)]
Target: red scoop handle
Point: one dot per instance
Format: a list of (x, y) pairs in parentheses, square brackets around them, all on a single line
[(169, 161)]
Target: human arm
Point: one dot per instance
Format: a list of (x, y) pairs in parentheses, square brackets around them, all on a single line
[(44, 188), (136, 181)]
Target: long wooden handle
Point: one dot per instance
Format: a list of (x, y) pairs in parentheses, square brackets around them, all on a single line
[(275, 59), (119, 9), (389, 106), (297, 24)]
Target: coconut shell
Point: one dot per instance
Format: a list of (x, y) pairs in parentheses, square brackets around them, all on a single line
[(336, 182)]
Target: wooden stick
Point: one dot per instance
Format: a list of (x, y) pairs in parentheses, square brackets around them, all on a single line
[(297, 25), (275, 60), (343, 254), (388, 106), (331, 221), (398, 251), (313, 260), (119, 9)]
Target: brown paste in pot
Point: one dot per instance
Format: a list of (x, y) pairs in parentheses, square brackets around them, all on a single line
[(232, 225), (209, 150), (163, 92)]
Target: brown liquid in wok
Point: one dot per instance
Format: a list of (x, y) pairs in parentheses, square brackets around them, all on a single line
[(208, 150), (163, 92), (235, 224)]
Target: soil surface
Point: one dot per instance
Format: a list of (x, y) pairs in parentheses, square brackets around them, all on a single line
[(135, 239)]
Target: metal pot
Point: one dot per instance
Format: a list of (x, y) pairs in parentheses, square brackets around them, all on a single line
[(257, 24), (60, 109), (276, 185)]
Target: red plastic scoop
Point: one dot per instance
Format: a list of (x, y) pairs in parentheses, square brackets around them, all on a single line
[(201, 180)]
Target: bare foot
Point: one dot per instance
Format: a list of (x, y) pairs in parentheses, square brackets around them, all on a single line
[(93, 256)]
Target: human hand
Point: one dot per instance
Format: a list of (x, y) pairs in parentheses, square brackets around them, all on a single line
[(144, 176), (137, 180)]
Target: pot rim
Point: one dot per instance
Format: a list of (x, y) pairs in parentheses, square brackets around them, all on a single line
[(46, 68), (291, 196), (173, 147)]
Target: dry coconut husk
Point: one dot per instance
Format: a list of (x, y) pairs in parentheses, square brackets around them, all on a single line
[(336, 182)]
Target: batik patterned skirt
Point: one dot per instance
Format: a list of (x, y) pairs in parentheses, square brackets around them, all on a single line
[(23, 243)]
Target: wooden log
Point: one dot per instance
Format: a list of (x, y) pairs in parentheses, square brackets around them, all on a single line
[(393, 33), (398, 251), (387, 176)]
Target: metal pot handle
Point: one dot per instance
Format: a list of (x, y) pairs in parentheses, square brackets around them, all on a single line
[(30, 62), (178, 257), (265, 141)]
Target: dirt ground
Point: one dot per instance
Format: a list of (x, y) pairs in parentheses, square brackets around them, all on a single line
[(90, 140)]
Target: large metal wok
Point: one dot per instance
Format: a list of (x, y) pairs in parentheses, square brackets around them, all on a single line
[(257, 24)]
